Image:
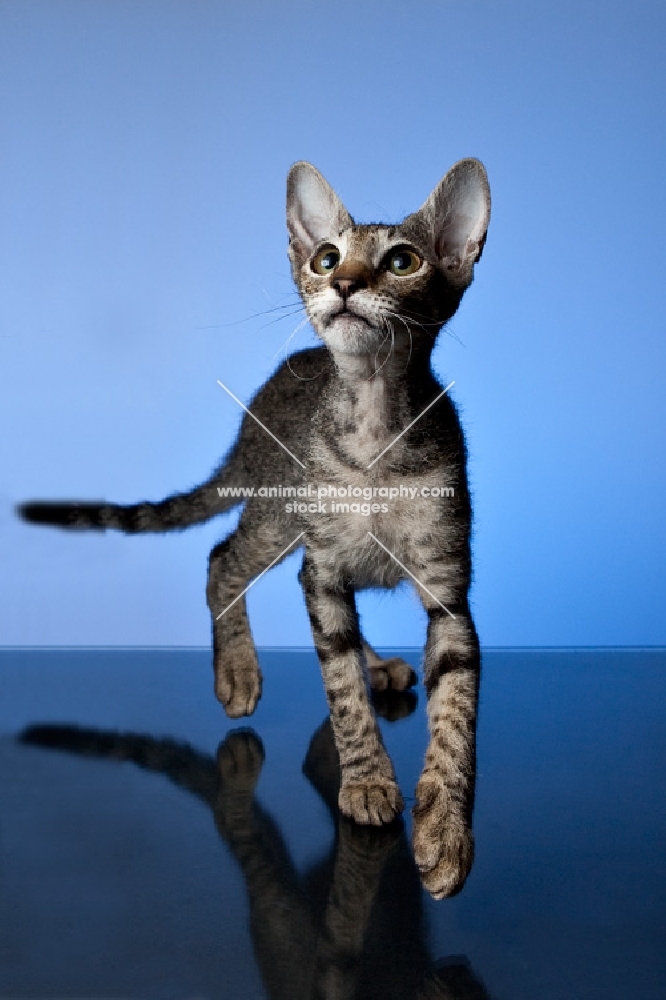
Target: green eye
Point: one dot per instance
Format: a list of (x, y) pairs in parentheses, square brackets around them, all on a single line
[(403, 262), (326, 260)]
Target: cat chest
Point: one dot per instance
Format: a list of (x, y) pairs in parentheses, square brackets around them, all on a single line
[(370, 529), (382, 507)]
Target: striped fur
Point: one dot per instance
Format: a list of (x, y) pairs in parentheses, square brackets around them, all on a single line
[(356, 410)]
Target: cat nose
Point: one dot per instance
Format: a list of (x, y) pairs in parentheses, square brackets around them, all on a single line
[(345, 286)]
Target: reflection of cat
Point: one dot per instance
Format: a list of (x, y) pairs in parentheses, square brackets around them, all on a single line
[(364, 412), (352, 926)]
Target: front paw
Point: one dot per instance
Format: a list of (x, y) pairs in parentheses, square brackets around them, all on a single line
[(238, 681), (443, 841), (371, 803)]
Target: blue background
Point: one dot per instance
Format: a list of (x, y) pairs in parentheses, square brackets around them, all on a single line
[(143, 154)]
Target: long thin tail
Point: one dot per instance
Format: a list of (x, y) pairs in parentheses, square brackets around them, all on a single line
[(178, 511)]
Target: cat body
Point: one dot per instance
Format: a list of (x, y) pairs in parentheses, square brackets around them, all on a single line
[(363, 425)]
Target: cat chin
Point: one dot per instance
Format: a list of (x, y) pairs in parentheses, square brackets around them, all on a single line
[(351, 335)]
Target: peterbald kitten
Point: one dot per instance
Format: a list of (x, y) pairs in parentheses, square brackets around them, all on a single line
[(364, 419)]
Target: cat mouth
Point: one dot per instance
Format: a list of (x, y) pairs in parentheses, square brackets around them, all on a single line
[(346, 313)]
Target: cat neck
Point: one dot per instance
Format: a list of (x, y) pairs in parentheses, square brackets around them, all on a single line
[(401, 365), (369, 402)]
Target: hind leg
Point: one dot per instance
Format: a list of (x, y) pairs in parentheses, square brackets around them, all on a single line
[(233, 564), (394, 674)]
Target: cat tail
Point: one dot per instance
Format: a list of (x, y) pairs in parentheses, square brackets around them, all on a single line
[(181, 510), (181, 763)]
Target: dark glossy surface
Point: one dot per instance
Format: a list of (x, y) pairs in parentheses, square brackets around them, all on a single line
[(198, 874)]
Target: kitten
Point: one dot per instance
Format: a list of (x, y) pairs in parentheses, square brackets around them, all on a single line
[(362, 415)]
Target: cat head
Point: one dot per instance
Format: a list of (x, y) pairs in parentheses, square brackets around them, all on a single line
[(368, 285)]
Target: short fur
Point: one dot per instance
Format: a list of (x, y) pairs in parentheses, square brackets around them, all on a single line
[(336, 409)]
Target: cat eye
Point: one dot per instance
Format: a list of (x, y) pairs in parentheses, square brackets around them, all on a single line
[(404, 261), (326, 260)]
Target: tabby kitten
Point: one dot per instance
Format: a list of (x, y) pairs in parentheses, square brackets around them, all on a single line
[(362, 413)]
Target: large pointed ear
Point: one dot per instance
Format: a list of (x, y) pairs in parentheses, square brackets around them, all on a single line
[(455, 218), (314, 211)]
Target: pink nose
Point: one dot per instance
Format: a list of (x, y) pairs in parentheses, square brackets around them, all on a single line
[(345, 286)]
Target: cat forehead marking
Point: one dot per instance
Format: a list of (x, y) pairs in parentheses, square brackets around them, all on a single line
[(366, 242)]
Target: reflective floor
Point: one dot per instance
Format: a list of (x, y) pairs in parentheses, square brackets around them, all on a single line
[(151, 848)]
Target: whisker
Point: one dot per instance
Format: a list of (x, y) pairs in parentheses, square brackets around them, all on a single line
[(389, 330), (239, 322), (422, 326), (452, 333), (278, 319), (302, 378), (299, 326), (293, 333), (409, 331), (413, 313)]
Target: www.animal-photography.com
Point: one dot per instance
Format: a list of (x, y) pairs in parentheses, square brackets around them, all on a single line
[(332, 655)]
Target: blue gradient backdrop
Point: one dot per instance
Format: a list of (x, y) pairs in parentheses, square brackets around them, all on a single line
[(143, 154)]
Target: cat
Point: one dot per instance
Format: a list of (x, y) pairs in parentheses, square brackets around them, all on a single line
[(363, 415)]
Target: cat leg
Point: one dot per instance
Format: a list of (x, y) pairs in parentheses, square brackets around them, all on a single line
[(442, 836), (232, 565), (368, 791), (393, 673)]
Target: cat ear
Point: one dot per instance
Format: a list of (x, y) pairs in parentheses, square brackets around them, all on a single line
[(456, 216), (314, 210)]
